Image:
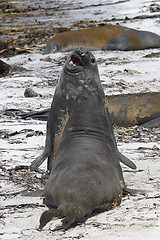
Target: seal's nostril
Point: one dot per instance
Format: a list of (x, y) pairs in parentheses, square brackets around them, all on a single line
[(82, 51), (83, 54)]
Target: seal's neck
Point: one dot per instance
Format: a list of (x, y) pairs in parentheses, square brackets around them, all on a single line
[(89, 113)]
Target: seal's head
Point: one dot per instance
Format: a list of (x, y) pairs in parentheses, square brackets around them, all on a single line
[(79, 67), (80, 59)]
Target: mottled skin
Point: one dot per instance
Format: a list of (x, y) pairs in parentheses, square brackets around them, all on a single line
[(86, 174), (135, 109), (79, 66), (107, 37)]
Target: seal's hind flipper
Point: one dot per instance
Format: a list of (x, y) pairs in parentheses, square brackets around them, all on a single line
[(47, 216), (126, 160), (69, 215), (40, 115), (68, 220), (51, 48)]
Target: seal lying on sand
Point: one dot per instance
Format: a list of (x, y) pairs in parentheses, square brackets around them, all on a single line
[(79, 66), (135, 109), (125, 109), (86, 174), (107, 37)]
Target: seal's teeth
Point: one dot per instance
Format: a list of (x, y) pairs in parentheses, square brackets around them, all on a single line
[(67, 97), (76, 61), (72, 63)]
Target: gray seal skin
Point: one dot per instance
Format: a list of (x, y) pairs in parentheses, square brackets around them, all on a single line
[(86, 174), (79, 66), (107, 37)]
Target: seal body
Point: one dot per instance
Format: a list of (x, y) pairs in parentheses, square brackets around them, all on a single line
[(134, 109), (86, 174), (107, 37), (80, 66)]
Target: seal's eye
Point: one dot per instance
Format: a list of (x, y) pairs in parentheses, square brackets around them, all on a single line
[(92, 60)]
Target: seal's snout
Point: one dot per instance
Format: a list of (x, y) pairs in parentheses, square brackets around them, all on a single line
[(77, 56), (82, 51)]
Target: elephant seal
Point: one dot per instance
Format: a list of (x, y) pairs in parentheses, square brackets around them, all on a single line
[(79, 66), (86, 173), (125, 109), (107, 37)]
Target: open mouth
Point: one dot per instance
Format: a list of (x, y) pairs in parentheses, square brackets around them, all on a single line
[(75, 60)]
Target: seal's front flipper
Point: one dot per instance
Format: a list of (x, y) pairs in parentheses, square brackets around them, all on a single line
[(152, 123), (50, 162), (51, 48), (46, 153), (126, 160), (119, 43), (39, 160), (133, 192)]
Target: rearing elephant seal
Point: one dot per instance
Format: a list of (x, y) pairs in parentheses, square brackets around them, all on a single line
[(86, 174), (107, 37), (79, 66)]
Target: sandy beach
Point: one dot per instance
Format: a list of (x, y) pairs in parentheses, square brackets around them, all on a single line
[(21, 141)]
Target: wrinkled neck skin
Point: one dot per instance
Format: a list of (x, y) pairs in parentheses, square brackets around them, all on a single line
[(89, 116), (70, 84)]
